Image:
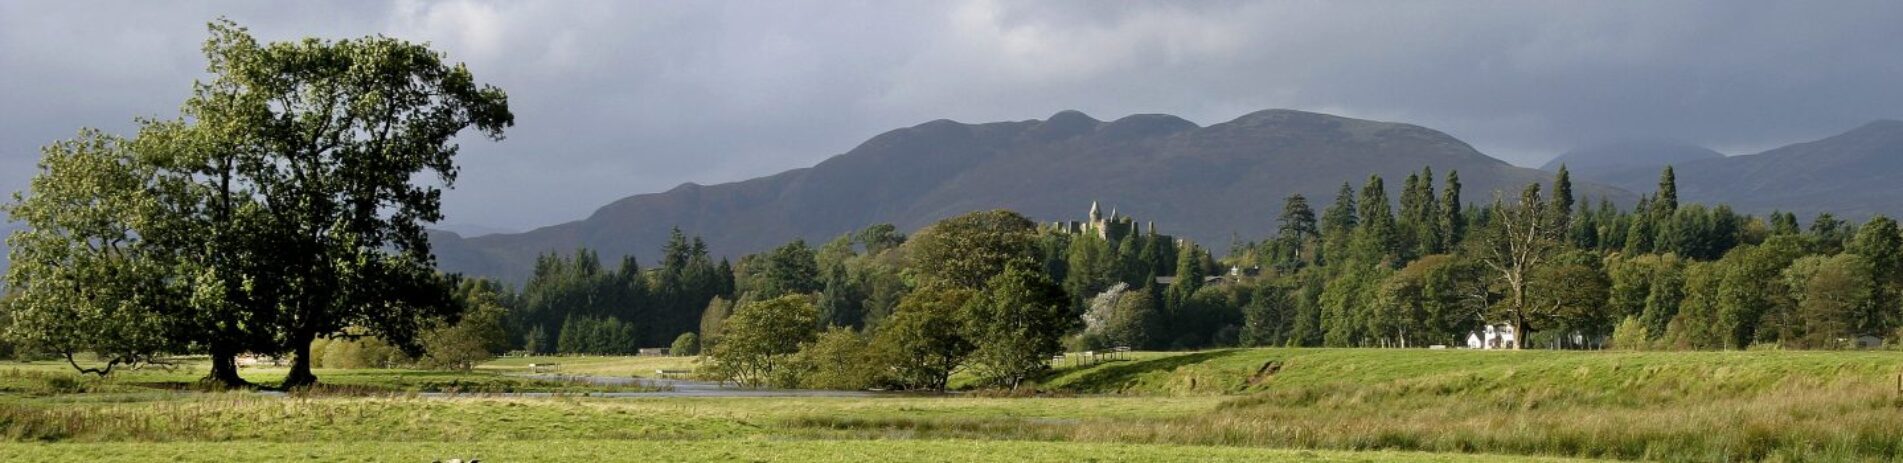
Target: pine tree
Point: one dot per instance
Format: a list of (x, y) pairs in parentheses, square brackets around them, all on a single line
[(1408, 224), (1453, 226), (1429, 238), (1338, 225), (1297, 230), (1562, 201), (1375, 239), (1667, 201)]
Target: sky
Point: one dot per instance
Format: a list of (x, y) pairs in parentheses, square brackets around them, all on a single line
[(614, 98)]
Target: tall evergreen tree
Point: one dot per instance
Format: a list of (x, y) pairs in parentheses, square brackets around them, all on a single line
[(1562, 201), (1453, 225), (1667, 199), (1429, 235), (1296, 232), (1375, 239), (1339, 221)]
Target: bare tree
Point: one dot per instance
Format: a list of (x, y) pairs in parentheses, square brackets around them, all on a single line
[(1517, 240)]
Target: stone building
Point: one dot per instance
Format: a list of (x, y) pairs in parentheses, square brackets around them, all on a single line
[(1113, 228)]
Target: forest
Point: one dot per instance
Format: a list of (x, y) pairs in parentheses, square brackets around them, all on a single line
[(1571, 273)]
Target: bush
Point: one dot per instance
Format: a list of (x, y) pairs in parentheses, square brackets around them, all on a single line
[(1629, 335), (759, 340), (687, 344), (839, 359)]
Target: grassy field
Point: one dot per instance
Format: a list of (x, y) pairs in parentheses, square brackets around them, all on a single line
[(1231, 405), (912, 451)]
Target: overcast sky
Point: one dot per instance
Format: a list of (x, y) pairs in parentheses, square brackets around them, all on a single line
[(618, 98)]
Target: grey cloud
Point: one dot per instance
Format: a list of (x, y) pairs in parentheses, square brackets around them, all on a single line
[(617, 98)]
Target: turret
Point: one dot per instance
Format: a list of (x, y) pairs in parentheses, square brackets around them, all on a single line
[(1096, 213)]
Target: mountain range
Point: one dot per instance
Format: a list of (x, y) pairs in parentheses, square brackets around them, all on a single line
[(1629, 158), (1853, 174), (1212, 184)]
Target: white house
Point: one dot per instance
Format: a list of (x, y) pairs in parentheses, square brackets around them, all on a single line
[(1493, 336)]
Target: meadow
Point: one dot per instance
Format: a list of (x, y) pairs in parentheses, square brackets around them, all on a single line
[(1226, 405)]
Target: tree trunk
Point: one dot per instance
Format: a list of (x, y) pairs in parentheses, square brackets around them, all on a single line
[(1519, 313), (224, 368), (300, 375)]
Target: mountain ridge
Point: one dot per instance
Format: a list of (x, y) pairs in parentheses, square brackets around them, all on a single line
[(1208, 183), (1848, 174)]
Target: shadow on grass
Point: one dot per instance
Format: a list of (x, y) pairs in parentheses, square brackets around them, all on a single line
[(1117, 376)]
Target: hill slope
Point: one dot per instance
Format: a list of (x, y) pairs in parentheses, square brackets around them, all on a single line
[(1851, 174), (1204, 183), (1626, 158)]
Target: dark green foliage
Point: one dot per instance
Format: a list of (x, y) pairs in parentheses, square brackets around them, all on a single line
[(1453, 226), (1339, 221), (288, 200), (1016, 323), (920, 343), (758, 343), (970, 249), (1376, 239), (688, 344)]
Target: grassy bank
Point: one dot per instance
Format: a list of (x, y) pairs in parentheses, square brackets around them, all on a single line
[(790, 451), (1692, 406), (1676, 406)]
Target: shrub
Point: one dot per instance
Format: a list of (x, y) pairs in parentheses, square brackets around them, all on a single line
[(686, 345), (838, 359), (1629, 335)]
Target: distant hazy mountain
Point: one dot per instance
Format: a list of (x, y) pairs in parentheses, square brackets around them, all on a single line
[(1205, 183), (1853, 174), (1626, 158)]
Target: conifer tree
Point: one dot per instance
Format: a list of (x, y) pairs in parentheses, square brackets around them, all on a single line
[(1338, 224), (1667, 200), (1453, 226), (1375, 239), (1562, 201)]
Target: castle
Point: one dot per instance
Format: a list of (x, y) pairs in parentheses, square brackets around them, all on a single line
[(1113, 228)]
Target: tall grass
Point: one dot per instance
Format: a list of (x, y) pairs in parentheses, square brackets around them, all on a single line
[(1672, 407)]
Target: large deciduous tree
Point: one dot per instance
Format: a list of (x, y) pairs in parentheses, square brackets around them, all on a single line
[(287, 201), (1017, 323), (970, 249), (328, 139), (91, 270), (1520, 238)]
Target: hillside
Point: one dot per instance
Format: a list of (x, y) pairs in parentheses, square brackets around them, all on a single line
[(1205, 183), (1627, 158), (1850, 174)]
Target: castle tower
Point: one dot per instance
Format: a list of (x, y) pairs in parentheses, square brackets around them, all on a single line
[(1096, 213)]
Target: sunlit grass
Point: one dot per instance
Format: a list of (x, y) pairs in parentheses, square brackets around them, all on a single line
[(1677, 406)]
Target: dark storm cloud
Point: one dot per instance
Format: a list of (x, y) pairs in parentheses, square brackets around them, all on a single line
[(616, 98)]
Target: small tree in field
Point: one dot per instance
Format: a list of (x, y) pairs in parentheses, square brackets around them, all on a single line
[(1629, 335), (687, 345), (838, 359), (1017, 323), (920, 342), (761, 337)]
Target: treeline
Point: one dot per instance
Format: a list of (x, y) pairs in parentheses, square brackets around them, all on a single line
[(993, 292), (574, 305), (1567, 274)]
